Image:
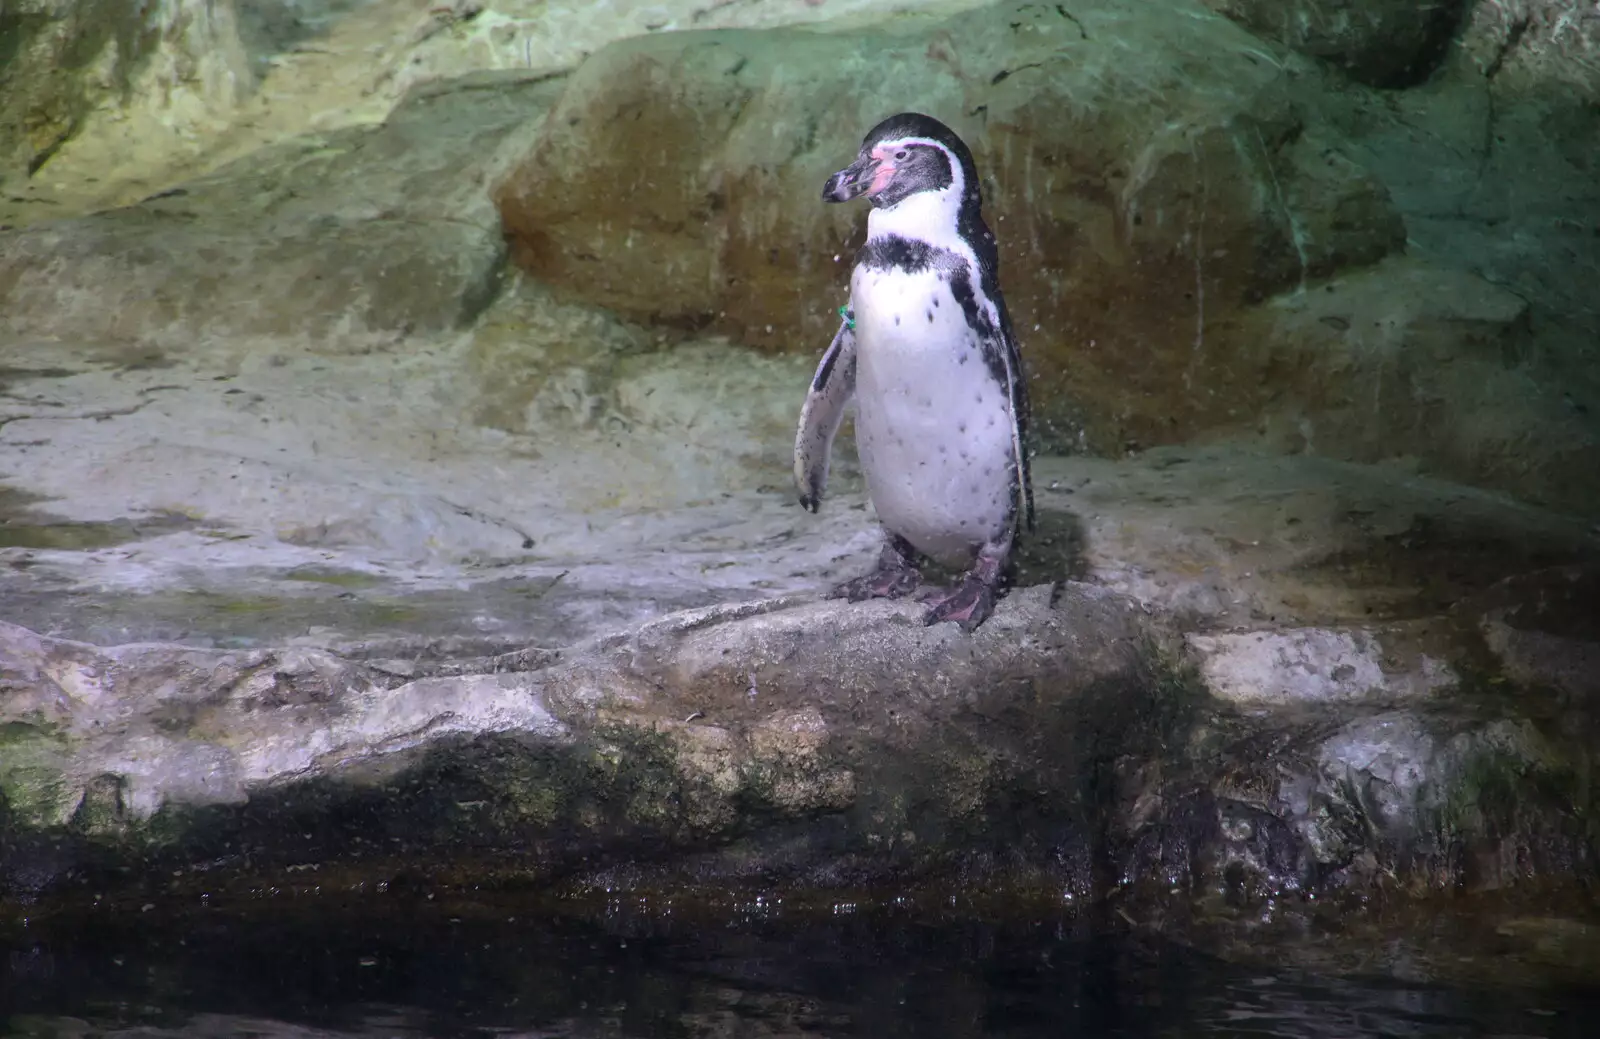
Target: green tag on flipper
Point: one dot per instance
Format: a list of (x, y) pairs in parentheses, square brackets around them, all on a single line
[(848, 318)]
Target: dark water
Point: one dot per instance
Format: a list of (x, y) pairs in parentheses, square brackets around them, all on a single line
[(422, 969)]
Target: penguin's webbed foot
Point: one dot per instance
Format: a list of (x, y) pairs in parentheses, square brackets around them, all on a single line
[(883, 583), (896, 576), (968, 603)]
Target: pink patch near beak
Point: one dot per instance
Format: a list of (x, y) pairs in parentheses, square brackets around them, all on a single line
[(880, 179), (883, 174)]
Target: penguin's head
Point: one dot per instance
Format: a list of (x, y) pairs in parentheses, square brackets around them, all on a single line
[(905, 155)]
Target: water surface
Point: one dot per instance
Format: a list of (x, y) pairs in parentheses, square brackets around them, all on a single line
[(416, 967)]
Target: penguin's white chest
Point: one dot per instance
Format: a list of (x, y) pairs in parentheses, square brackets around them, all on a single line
[(933, 425)]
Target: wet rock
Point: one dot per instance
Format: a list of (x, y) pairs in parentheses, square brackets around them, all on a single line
[(1535, 47), (107, 104), (364, 233), (1570, 665), (329, 548), (1544, 628), (173, 725), (676, 182), (1415, 354), (1491, 163), (1130, 732), (1380, 42), (705, 730), (555, 708), (65, 60), (1221, 538), (1310, 666), (1430, 798)]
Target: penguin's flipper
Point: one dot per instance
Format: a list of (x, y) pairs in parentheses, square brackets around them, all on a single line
[(1017, 388), (831, 389)]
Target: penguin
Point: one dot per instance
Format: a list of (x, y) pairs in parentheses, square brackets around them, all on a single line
[(926, 350)]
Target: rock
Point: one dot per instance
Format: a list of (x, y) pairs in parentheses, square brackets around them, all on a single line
[(834, 744), (1219, 538), (67, 59), (411, 251), (1412, 800), (1309, 666), (1379, 42), (403, 242), (114, 104), (1544, 628), (1569, 665), (438, 569), (1491, 162), (1416, 779), (540, 36), (696, 720), (1535, 46), (676, 182), (1422, 361), (1478, 372)]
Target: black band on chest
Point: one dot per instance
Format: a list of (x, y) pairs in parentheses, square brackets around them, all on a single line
[(893, 253)]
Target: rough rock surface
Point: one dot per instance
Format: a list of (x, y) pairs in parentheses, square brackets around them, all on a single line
[(1378, 42), (1414, 358), (1254, 672), (435, 562), (364, 234), (1213, 263), (1492, 163), (677, 182), (109, 102), (1535, 47), (63, 62)]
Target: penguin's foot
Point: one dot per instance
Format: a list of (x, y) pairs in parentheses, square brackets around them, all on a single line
[(968, 603), (895, 577), (882, 583)]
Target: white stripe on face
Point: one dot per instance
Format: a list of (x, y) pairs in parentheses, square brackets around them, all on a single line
[(928, 216), (884, 153)]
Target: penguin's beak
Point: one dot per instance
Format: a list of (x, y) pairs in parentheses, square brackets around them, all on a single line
[(853, 181)]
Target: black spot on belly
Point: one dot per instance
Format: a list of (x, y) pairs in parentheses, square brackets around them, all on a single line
[(936, 301), (897, 319), (930, 317)]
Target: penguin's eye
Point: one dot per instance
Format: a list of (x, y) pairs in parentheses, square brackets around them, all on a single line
[(902, 155)]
